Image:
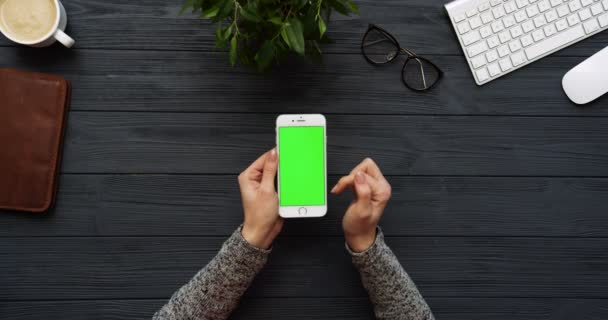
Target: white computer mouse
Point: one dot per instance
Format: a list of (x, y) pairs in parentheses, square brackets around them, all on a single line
[(589, 80)]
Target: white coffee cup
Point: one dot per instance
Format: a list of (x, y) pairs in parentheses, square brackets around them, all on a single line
[(54, 34)]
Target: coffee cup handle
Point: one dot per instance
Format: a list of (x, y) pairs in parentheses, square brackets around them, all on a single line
[(64, 38)]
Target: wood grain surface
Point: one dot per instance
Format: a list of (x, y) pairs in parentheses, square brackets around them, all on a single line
[(154, 267), (209, 205)]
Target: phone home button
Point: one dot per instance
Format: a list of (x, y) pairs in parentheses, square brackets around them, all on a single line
[(302, 211)]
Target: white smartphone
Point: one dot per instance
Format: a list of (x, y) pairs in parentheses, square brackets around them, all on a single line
[(302, 174)]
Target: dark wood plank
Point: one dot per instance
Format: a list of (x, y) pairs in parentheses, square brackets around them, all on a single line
[(204, 82), (420, 25), (127, 205), (118, 142), (319, 308), (153, 267)]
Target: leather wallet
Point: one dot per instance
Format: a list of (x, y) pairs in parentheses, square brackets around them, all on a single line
[(33, 109)]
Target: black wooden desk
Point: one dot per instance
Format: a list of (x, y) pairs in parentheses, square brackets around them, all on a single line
[(500, 207)]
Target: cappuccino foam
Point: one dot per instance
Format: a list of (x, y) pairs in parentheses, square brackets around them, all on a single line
[(28, 20)]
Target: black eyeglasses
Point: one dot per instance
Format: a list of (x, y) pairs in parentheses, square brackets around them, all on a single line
[(380, 47)]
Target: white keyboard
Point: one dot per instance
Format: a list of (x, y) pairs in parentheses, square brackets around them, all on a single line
[(499, 36)]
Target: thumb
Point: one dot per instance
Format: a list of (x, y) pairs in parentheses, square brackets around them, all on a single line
[(270, 170), (364, 193)]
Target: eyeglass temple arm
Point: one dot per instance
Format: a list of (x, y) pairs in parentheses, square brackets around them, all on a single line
[(408, 52)]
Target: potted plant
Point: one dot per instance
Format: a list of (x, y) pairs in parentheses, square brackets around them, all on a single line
[(261, 32)]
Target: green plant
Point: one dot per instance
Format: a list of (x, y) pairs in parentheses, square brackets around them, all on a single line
[(261, 32)]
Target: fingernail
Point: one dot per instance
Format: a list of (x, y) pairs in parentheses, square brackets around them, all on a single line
[(273, 154), (333, 189), (360, 178)]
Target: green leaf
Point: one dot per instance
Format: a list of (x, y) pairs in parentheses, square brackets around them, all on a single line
[(353, 7), (233, 47), (212, 12), (226, 7), (265, 56), (226, 34), (322, 27), (293, 35), (276, 20), (250, 13), (340, 6), (186, 5), (300, 3)]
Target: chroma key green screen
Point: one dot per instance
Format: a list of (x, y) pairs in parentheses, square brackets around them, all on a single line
[(302, 166)]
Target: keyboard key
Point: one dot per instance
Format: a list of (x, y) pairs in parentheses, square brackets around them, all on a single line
[(518, 58), (505, 64), (603, 20), (484, 6), (464, 27), (503, 51), (497, 26), (504, 36), (527, 40), (532, 10), (485, 32), (471, 12), (478, 61), (498, 12), (540, 21), (557, 41), (482, 74), (520, 16), (544, 5), (508, 21), (596, 9), (563, 11), (494, 3), (514, 45), (605, 4), (555, 3), (493, 69), (491, 55), (459, 17), (551, 16), (573, 19), (584, 14), (528, 26), (516, 31), (591, 26), (586, 2), (550, 30), (521, 3), (538, 35), (471, 37), (561, 24), (510, 6), (477, 48), (475, 22), (493, 42), (486, 17), (574, 5)]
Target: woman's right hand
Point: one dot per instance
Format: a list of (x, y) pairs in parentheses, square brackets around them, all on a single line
[(372, 193)]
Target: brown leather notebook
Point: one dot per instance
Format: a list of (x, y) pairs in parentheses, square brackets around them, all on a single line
[(33, 108)]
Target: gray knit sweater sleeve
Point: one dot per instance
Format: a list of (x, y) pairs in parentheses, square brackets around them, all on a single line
[(391, 291), (214, 292)]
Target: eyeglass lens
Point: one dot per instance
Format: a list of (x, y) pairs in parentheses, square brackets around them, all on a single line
[(378, 47), (419, 74)]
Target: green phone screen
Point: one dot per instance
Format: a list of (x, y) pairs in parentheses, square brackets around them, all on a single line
[(302, 166)]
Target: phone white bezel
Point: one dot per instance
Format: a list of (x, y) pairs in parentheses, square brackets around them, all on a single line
[(302, 120)]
